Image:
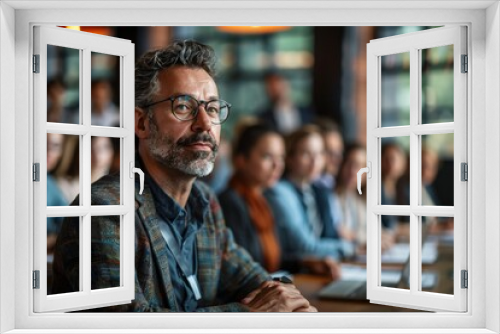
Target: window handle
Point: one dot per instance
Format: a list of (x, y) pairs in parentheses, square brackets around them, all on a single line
[(367, 170), (134, 170)]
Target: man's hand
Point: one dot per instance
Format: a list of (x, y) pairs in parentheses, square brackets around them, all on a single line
[(325, 266), (274, 296), (388, 239)]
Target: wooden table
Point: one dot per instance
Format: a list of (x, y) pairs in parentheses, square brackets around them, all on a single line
[(310, 285)]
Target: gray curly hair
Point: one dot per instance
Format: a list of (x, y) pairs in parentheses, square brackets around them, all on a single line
[(185, 53)]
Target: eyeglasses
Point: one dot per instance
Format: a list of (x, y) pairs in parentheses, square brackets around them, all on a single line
[(186, 108)]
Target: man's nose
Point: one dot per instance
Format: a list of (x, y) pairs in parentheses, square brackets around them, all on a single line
[(202, 122)]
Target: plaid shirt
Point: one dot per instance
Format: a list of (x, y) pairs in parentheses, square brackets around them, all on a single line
[(226, 272)]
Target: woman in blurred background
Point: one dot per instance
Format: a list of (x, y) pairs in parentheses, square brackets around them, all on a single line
[(305, 207), (393, 167), (353, 205), (55, 197), (102, 156), (258, 159), (67, 172)]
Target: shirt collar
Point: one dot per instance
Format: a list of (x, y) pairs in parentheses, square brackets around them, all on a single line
[(197, 205)]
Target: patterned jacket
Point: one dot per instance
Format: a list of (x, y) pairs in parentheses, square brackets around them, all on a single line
[(226, 272)]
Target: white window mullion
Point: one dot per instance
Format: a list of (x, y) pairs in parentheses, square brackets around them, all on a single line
[(63, 128), (393, 131), (415, 108), (127, 105), (421, 210), (434, 129), (40, 156), (392, 210), (460, 156), (85, 167), (373, 183), (85, 254), (79, 211)]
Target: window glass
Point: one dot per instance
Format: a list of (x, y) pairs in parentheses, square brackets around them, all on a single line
[(437, 169), (105, 90), (71, 250), (63, 84), (105, 258), (437, 84), (437, 254), (63, 169), (395, 254), (395, 89), (394, 171)]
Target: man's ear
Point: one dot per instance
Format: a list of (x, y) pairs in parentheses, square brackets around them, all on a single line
[(141, 123)]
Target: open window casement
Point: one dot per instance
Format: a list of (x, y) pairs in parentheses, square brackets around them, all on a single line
[(415, 127), (85, 59)]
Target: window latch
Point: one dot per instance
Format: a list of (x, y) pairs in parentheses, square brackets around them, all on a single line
[(134, 170), (368, 171)]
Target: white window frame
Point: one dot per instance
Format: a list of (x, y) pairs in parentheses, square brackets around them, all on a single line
[(85, 43), (412, 44), (483, 20)]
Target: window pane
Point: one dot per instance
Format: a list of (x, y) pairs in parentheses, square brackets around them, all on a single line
[(105, 260), (437, 170), (105, 160), (63, 84), (394, 171), (63, 276), (395, 253), (437, 254), (395, 89), (105, 91), (63, 169), (437, 84)]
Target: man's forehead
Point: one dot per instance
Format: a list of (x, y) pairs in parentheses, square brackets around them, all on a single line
[(186, 78)]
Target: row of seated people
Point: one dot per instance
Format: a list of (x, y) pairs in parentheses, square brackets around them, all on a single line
[(283, 204)]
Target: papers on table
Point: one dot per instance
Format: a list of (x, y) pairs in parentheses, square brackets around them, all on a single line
[(398, 254), (389, 277)]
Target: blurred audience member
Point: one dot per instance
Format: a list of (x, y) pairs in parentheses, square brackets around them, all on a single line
[(258, 158), (394, 163), (104, 111), (115, 165), (353, 205), (218, 179), (54, 195), (57, 112), (281, 113), (430, 167), (303, 207), (334, 150), (102, 155), (67, 171)]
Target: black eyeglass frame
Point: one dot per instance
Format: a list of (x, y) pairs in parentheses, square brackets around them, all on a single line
[(195, 112)]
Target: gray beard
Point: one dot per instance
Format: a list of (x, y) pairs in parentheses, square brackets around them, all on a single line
[(173, 156)]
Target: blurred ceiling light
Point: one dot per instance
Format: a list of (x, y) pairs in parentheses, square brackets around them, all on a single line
[(73, 27), (251, 29), (107, 31)]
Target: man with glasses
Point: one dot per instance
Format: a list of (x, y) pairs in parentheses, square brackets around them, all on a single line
[(186, 258)]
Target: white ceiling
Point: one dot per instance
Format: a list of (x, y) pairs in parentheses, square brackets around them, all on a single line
[(243, 4)]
